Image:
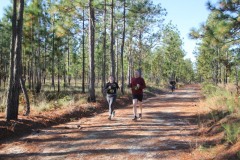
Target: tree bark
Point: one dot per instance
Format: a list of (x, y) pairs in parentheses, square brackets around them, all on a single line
[(68, 71), (1, 61), (112, 42), (122, 46), (11, 109), (15, 69), (58, 72), (92, 97), (117, 61), (104, 46), (24, 90), (53, 54), (45, 58), (83, 50), (38, 65)]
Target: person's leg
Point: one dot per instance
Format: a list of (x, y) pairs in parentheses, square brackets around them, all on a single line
[(140, 98), (140, 106), (109, 106), (135, 108), (113, 105)]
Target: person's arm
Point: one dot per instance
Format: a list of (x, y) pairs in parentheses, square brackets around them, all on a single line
[(106, 87)]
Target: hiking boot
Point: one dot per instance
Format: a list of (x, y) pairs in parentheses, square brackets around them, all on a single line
[(140, 116), (135, 118)]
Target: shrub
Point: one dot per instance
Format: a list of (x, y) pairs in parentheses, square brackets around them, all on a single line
[(209, 88), (232, 132)]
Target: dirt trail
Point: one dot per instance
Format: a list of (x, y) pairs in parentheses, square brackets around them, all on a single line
[(165, 132)]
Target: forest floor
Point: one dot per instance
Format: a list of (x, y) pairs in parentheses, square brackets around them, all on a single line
[(167, 131)]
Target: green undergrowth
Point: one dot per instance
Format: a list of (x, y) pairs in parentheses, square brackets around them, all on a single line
[(52, 100), (224, 109)]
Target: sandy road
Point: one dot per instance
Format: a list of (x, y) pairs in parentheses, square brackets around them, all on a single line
[(165, 132)]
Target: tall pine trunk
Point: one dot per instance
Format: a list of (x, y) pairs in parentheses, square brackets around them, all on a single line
[(53, 54), (58, 71), (15, 69), (1, 60), (38, 65), (92, 97), (122, 46), (26, 97), (45, 53), (112, 42), (68, 69), (31, 86), (117, 61), (104, 46), (83, 54), (12, 104)]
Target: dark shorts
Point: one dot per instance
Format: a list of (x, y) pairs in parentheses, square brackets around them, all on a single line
[(138, 97)]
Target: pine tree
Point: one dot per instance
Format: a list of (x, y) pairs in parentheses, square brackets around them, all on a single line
[(16, 68)]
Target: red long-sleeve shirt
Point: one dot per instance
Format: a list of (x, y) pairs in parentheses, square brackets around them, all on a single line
[(133, 85)]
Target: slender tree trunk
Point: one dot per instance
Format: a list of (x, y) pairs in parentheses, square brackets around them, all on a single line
[(83, 54), (24, 90), (38, 68), (129, 65), (24, 64), (6, 66), (112, 42), (237, 87), (140, 53), (117, 62), (122, 46), (44, 69), (29, 73), (68, 69), (45, 54), (58, 74), (1, 61), (64, 75), (5, 76), (227, 69), (64, 78), (33, 56), (53, 54), (130, 59), (217, 68), (64, 68), (98, 72), (19, 52), (129, 73), (132, 66), (92, 97), (104, 46)]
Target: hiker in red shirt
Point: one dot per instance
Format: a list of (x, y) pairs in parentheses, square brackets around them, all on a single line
[(137, 85)]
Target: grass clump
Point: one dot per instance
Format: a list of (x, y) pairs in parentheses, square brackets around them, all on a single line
[(232, 132), (222, 105)]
